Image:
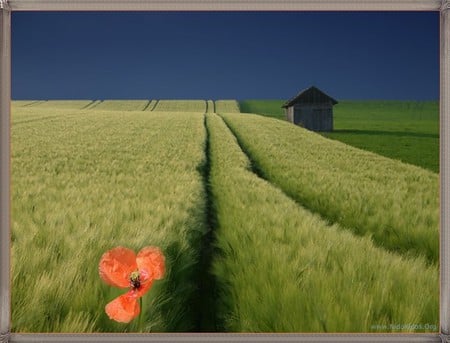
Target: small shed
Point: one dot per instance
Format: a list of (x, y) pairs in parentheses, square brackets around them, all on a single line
[(311, 109)]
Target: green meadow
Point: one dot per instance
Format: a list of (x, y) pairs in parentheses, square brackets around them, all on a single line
[(403, 130), (269, 108), (266, 227)]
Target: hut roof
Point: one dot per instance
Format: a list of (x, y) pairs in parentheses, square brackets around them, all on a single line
[(311, 95)]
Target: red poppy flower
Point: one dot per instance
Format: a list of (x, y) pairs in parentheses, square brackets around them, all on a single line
[(120, 267)]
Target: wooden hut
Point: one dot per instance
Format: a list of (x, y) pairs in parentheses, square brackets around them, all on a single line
[(311, 109)]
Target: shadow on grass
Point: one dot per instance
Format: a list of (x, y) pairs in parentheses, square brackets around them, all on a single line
[(206, 299), (387, 133)]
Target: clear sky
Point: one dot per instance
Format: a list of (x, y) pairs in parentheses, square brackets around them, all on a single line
[(224, 55)]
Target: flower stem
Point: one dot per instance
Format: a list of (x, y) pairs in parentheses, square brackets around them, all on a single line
[(140, 314)]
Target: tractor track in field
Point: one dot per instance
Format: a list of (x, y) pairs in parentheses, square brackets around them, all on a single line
[(208, 109), (147, 105), (92, 104), (85, 107), (253, 166), (33, 120), (154, 105), (207, 320), (319, 212), (34, 103), (255, 169), (44, 118)]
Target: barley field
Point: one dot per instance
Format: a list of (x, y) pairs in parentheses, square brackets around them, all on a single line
[(210, 106), (123, 105), (53, 104), (265, 227), (181, 105), (284, 269), (227, 106), (407, 131), (396, 204), (85, 183)]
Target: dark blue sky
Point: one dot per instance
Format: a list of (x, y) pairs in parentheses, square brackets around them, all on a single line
[(244, 55)]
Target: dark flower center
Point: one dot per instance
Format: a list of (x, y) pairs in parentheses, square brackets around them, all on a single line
[(135, 280)]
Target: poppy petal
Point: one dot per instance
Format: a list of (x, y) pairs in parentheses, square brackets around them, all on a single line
[(151, 260), (116, 265), (123, 309)]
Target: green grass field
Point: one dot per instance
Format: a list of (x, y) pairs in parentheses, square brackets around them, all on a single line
[(404, 130), (268, 108), (336, 240)]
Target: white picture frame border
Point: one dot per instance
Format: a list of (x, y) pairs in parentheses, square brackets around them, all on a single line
[(8, 6)]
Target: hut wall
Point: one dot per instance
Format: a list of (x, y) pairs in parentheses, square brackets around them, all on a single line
[(315, 117), (289, 111)]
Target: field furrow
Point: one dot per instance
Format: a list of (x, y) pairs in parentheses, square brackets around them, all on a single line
[(396, 204), (27, 114), (84, 184), (92, 104), (24, 103), (152, 105), (281, 268)]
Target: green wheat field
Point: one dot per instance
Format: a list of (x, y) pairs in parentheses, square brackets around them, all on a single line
[(265, 226)]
